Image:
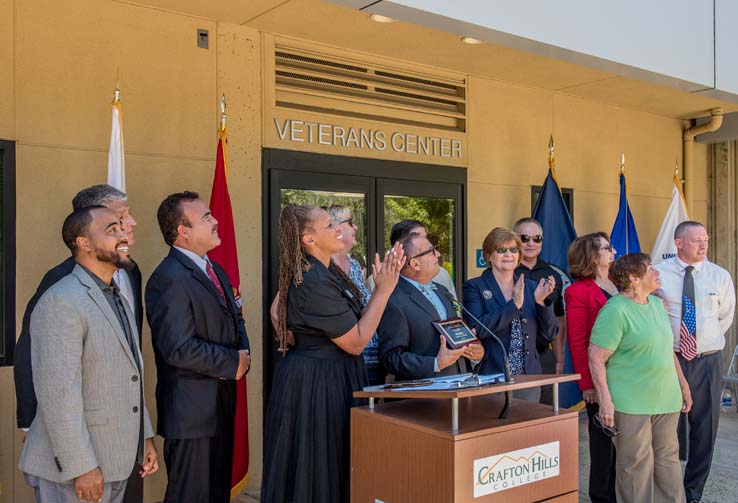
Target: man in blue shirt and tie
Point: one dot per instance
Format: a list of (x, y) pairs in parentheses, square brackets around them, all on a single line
[(409, 345)]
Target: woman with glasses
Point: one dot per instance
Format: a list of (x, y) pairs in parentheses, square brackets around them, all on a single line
[(341, 216), (321, 321), (514, 308), (590, 257), (639, 383)]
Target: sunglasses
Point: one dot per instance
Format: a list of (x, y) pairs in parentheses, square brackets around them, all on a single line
[(536, 239), (610, 431), (349, 221), (512, 249), (426, 252)]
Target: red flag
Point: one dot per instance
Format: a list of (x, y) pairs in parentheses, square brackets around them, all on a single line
[(227, 257)]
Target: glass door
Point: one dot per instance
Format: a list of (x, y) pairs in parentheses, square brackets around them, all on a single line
[(436, 205), (319, 189)]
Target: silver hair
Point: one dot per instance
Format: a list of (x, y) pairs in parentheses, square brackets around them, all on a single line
[(97, 195), (336, 211)]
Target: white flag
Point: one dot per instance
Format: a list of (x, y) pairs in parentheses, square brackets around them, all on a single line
[(664, 247), (116, 159)]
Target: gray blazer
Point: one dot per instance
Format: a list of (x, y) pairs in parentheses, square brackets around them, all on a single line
[(87, 384)]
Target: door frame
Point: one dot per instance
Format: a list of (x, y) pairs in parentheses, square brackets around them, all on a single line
[(325, 167)]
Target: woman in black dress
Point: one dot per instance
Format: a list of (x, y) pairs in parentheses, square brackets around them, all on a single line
[(322, 332)]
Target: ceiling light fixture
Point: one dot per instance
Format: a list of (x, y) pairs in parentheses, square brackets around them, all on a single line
[(471, 41), (378, 18)]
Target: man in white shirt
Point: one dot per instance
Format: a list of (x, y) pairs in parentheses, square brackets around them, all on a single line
[(700, 299)]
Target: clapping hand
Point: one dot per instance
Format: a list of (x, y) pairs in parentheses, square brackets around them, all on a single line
[(387, 272), (545, 287), (519, 292)]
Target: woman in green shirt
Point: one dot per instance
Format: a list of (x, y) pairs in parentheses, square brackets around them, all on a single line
[(639, 383)]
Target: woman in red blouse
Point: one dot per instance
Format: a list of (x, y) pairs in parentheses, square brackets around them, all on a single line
[(590, 257)]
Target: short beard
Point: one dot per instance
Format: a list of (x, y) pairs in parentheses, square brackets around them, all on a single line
[(115, 259)]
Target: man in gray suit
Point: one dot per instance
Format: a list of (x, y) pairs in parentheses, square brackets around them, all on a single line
[(91, 425)]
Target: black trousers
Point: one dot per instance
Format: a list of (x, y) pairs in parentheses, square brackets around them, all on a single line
[(548, 365), (699, 426), (135, 487), (602, 462), (199, 469)]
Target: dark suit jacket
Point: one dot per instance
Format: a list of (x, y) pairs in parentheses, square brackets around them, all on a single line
[(484, 299), (408, 342), (23, 375), (196, 338), (584, 299)]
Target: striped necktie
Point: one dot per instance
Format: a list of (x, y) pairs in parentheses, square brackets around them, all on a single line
[(687, 332)]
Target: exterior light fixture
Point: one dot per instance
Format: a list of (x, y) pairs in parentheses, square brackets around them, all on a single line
[(471, 41), (378, 18)]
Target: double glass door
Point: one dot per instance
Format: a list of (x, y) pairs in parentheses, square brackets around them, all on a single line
[(376, 204)]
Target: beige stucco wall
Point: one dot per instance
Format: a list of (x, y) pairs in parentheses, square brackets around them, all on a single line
[(509, 127), (59, 64), (64, 59)]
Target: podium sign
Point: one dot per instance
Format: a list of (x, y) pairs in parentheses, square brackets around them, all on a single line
[(513, 469)]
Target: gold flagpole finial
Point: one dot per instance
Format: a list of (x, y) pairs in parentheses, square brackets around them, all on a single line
[(551, 160), (676, 167), (622, 162), (222, 113)]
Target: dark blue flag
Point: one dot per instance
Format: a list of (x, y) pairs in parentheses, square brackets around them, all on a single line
[(624, 237), (558, 233), (558, 229)]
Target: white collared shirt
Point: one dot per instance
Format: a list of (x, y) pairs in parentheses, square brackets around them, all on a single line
[(714, 297), (123, 280), (201, 262)]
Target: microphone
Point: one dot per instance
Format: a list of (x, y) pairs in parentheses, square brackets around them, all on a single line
[(459, 307)]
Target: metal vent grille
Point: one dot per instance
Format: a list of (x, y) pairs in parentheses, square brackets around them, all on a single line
[(307, 80)]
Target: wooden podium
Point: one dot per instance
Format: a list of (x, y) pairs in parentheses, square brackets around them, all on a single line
[(450, 446)]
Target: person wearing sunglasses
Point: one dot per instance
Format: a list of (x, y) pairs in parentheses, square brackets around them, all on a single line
[(551, 354), (513, 307), (341, 216), (640, 386), (590, 257), (409, 345)]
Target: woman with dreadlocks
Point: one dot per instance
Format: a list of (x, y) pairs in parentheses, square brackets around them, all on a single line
[(321, 331)]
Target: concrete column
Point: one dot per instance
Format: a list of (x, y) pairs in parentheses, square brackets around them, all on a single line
[(723, 217)]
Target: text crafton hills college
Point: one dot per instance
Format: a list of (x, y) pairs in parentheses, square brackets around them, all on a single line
[(370, 139)]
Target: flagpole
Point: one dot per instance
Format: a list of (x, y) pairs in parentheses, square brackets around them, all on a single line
[(622, 173)]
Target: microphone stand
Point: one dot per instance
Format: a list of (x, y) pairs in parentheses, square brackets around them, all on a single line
[(508, 394)]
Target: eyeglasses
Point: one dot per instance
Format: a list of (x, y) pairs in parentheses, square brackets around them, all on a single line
[(512, 249), (610, 431), (606, 247), (349, 221), (426, 252), (538, 238)]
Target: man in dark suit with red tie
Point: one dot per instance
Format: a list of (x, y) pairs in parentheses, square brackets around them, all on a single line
[(201, 349)]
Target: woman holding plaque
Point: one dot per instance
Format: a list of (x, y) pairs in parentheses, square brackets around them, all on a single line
[(512, 307), (590, 257), (321, 331)]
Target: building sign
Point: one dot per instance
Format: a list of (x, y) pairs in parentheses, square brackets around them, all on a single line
[(367, 139), (514, 469)]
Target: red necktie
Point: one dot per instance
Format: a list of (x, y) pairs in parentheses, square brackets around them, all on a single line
[(214, 279)]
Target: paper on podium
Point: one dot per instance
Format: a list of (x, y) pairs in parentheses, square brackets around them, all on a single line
[(442, 383)]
